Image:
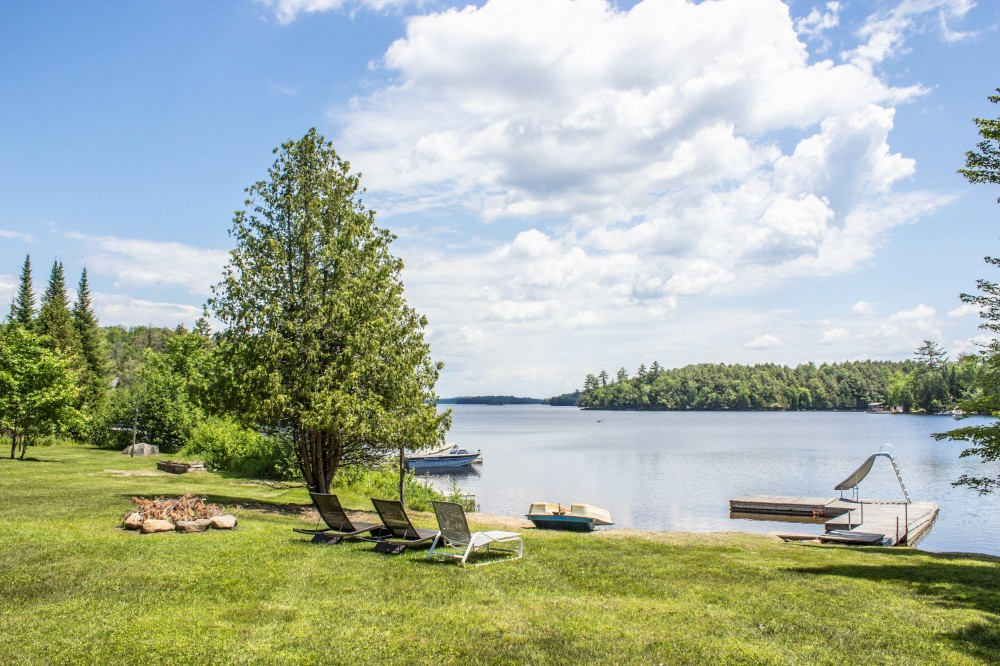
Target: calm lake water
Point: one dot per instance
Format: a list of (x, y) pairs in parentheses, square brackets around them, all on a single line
[(678, 470)]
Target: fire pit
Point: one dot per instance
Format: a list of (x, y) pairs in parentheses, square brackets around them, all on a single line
[(184, 514)]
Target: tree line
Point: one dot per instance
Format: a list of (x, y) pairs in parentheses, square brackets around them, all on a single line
[(320, 364), (928, 383)]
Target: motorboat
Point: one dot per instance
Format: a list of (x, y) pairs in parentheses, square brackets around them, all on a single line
[(447, 456), (578, 518)]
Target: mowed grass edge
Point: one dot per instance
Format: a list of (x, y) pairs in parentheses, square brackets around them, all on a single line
[(77, 589)]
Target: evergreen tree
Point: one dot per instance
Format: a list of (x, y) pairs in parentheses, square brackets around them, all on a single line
[(22, 310), (930, 354), (317, 337), (89, 337), (54, 318)]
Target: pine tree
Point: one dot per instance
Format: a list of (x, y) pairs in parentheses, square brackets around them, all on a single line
[(22, 310), (54, 318), (89, 337)]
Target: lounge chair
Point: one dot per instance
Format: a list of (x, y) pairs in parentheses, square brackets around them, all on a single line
[(399, 533), (455, 534), (338, 525)]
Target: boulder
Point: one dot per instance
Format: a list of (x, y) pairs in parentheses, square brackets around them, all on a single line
[(143, 450), (154, 525), (133, 521), (187, 526), (224, 522)]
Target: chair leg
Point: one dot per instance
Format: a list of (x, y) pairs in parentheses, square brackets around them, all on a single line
[(434, 544), (466, 555)]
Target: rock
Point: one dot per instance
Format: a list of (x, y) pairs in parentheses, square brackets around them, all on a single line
[(143, 450), (188, 526), (153, 525), (225, 522), (133, 521)]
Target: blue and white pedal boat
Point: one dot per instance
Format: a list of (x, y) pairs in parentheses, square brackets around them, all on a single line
[(449, 456), (578, 518)]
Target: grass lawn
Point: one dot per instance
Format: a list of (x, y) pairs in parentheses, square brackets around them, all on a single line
[(76, 589)]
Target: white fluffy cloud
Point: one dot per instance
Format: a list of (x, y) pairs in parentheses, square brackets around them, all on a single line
[(8, 287), (862, 308), (117, 309), (141, 263), (662, 152), (764, 341), (818, 21), (835, 335), (653, 131), (886, 30), (964, 310), (920, 312), (16, 235), (287, 10)]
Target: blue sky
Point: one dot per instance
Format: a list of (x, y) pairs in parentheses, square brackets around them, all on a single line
[(575, 185)]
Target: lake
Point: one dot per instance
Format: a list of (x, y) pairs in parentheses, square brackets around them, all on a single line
[(678, 470)]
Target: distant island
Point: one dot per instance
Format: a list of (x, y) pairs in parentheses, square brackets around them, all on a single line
[(571, 399), (929, 383), (490, 400)]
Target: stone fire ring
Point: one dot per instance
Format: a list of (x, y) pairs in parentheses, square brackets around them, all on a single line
[(134, 521)]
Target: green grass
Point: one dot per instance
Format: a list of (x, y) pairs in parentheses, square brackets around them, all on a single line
[(76, 589)]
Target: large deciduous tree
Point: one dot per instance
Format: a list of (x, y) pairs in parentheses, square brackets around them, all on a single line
[(37, 389), (983, 166), (318, 340)]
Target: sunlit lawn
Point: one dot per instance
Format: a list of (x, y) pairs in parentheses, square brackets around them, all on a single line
[(75, 588)]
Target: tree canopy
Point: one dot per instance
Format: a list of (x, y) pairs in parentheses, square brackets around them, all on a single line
[(318, 340), (983, 166), (37, 388), (910, 385)]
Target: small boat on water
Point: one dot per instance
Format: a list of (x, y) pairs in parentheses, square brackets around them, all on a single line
[(450, 455), (579, 517)]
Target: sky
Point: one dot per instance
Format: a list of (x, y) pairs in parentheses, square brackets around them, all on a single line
[(575, 185)]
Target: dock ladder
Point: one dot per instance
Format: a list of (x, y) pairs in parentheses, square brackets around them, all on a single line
[(899, 477)]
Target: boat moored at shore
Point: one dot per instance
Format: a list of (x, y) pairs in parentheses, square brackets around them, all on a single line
[(449, 456), (579, 517)]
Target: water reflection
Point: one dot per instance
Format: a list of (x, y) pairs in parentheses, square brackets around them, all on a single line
[(449, 474), (678, 470)]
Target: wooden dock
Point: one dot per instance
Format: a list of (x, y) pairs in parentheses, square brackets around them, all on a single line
[(872, 522)]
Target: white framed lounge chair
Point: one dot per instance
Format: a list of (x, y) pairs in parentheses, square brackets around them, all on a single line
[(456, 536)]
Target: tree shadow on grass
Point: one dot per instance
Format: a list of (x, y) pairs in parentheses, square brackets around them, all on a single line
[(951, 580), (34, 460)]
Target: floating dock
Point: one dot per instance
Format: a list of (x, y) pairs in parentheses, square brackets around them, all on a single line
[(870, 522)]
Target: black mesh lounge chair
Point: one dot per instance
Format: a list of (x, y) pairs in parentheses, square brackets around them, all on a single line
[(338, 525), (456, 535), (399, 533)]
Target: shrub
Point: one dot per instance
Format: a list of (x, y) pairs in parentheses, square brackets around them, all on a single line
[(384, 482), (225, 445)]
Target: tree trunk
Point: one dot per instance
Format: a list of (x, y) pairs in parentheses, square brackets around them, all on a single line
[(319, 455), (135, 426), (402, 476), (13, 444)]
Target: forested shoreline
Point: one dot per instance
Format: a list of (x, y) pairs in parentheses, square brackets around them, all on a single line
[(929, 383)]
